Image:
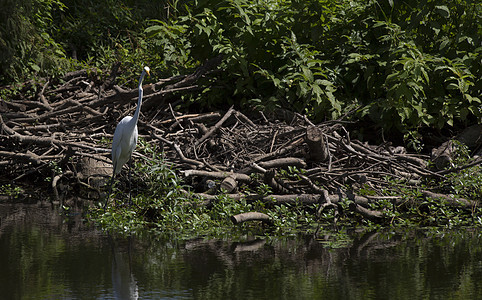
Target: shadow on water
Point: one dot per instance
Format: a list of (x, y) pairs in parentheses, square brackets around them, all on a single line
[(46, 256)]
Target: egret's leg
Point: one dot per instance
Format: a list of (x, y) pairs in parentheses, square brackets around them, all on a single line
[(130, 186), (110, 191)]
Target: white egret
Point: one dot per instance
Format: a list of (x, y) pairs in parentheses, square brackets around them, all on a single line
[(125, 140)]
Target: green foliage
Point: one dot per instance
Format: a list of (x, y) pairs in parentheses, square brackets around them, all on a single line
[(11, 191), (407, 65), (264, 63), (162, 205), (404, 65), (27, 47), (466, 183), (412, 64)]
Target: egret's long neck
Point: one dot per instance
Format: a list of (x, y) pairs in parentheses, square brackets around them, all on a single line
[(135, 118)]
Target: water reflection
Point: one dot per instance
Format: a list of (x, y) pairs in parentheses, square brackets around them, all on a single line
[(45, 256), (124, 284)]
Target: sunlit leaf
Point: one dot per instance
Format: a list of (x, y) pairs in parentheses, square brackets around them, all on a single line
[(442, 10)]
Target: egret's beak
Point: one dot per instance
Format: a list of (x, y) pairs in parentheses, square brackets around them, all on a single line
[(147, 71)]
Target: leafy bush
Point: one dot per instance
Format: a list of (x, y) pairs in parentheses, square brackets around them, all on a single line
[(265, 63), (26, 46), (406, 65), (402, 65)]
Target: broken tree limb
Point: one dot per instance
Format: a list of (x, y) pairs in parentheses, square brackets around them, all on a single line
[(270, 180), (325, 204), (261, 167), (305, 199), (251, 216), (444, 154), (215, 127), (218, 175), (283, 162), (317, 147), (176, 147), (228, 185), (280, 151), (372, 215), (28, 157), (458, 202)]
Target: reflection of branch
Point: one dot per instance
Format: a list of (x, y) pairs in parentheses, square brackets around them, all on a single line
[(365, 240), (249, 246)]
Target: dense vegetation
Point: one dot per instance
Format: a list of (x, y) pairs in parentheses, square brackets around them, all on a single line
[(401, 69), (405, 66)]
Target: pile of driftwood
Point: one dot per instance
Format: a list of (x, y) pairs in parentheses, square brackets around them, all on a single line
[(62, 130)]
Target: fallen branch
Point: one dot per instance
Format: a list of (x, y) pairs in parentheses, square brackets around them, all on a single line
[(251, 216), (215, 127), (372, 215), (218, 175), (458, 202)]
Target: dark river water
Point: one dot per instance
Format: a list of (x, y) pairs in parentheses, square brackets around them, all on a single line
[(45, 256)]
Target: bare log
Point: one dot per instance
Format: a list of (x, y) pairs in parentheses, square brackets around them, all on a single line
[(443, 155), (251, 216), (305, 199), (366, 213), (28, 157), (269, 179), (317, 146), (219, 175), (457, 202), (229, 184), (215, 127), (283, 163)]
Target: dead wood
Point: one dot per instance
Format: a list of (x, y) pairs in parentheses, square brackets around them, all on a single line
[(443, 155), (229, 184), (317, 147), (215, 127), (365, 212), (217, 175), (69, 125), (251, 216), (456, 202)]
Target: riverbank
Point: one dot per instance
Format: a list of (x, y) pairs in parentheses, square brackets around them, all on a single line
[(195, 171)]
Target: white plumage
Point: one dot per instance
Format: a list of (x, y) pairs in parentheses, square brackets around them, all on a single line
[(125, 137), (124, 143)]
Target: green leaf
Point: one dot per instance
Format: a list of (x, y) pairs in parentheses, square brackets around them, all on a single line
[(452, 86), (307, 74), (442, 10), (35, 67), (450, 121), (419, 109), (303, 88), (318, 92), (323, 82), (444, 44), (153, 30)]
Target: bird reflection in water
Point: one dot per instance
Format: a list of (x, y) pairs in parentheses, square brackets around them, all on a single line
[(124, 284)]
